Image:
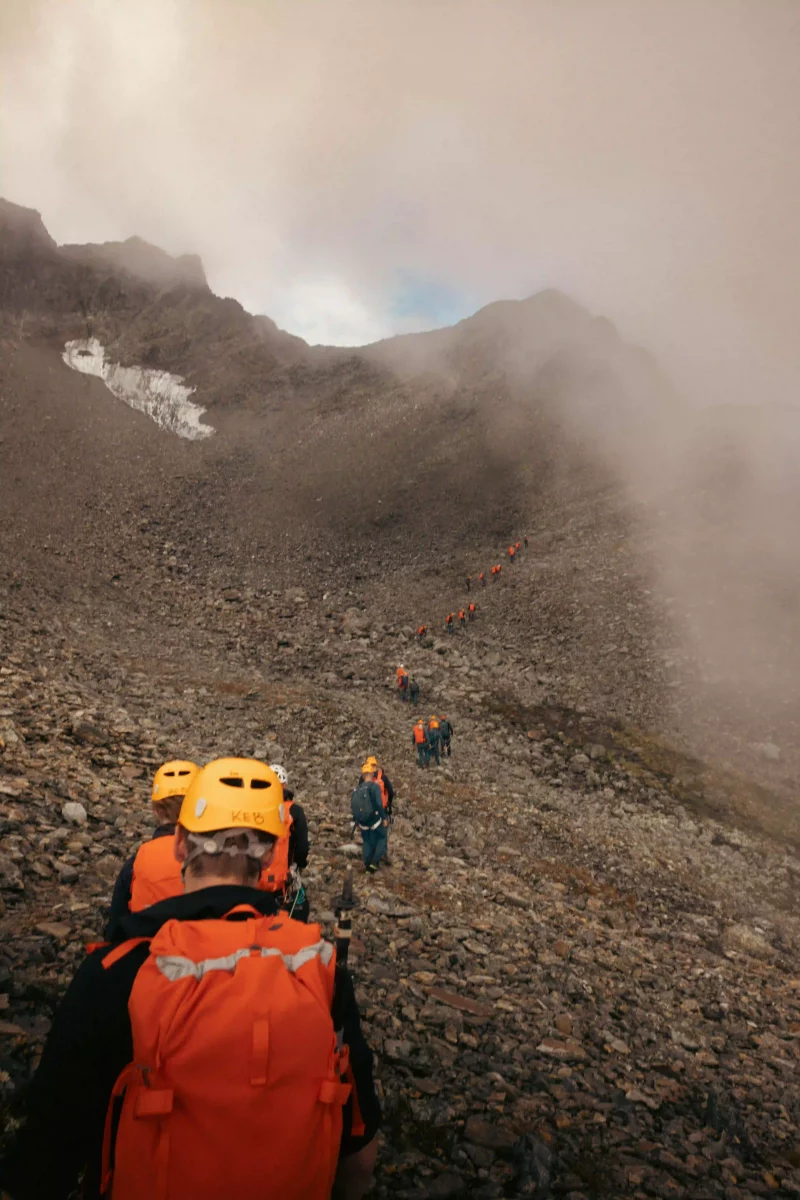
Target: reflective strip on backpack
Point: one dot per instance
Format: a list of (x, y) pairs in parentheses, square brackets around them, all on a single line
[(175, 966)]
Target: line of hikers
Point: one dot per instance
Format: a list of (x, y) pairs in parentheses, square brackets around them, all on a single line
[(469, 612), (432, 740), (212, 1017)]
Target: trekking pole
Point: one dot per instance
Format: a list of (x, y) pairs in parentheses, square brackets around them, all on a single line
[(343, 931)]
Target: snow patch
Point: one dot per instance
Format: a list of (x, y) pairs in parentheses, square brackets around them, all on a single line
[(162, 396)]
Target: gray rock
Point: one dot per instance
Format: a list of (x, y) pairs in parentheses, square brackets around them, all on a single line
[(74, 812)]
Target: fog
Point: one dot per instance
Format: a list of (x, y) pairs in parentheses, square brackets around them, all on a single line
[(356, 168)]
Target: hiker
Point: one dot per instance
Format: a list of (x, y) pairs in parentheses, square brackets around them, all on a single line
[(525, 540), (434, 739), (482, 578), (209, 1036), (499, 570), (471, 611), (423, 629), (366, 805), (517, 546), (291, 855), (446, 732), (469, 582), (512, 550), (387, 797), (420, 739), (448, 622), (402, 682), (152, 873), (462, 616), (413, 689)]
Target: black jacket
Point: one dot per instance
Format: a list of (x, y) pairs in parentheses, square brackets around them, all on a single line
[(90, 1043)]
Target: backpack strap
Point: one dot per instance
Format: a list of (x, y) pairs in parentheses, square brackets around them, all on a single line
[(120, 951)]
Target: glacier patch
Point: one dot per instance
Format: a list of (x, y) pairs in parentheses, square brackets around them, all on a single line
[(162, 396)]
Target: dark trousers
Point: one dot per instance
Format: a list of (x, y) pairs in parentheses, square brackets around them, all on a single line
[(374, 845), (433, 752), (422, 754)]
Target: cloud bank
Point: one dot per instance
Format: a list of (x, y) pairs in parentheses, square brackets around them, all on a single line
[(356, 168)]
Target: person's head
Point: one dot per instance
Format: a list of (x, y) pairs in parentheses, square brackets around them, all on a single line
[(230, 819), (369, 769), (170, 784)]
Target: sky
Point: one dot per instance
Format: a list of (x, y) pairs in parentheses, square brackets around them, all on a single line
[(358, 168)]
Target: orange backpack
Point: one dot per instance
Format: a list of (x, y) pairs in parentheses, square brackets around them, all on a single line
[(156, 874), (277, 874), (419, 734), (380, 779), (235, 1088)]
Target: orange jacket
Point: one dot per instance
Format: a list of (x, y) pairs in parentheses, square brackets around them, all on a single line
[(461, 615), (156, 874), (420, 735)]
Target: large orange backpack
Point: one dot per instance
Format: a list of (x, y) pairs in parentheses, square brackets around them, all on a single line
[(236, 1086), (156, 874), (419, 734), (277, 874)]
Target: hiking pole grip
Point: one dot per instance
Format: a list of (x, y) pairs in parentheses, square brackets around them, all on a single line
[(343, 931)]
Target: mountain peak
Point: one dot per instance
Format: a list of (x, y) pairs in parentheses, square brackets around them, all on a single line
[(144, 260), (22, 230)]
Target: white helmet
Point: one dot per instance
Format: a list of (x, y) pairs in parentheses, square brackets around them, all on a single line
[(281, 772)]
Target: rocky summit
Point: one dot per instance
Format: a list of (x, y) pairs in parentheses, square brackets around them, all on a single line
[(579, 974)]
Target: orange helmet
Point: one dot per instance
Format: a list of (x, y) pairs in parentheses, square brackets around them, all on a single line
[(234, 793), (173, 779)]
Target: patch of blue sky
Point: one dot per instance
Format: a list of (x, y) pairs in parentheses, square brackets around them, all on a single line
[(427, 302)]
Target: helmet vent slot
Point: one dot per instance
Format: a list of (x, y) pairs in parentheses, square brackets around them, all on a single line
[(233, 781), (260, 783)]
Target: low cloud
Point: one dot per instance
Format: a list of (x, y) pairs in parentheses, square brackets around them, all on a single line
[(640, 155)]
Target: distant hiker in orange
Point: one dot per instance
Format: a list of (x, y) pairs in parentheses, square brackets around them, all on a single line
[(402, 682), (448, 621), (517, 545), (423, 629), (420, 739), (512, 550), (462, 616), (472, 612), (496, 572), (482, 578)]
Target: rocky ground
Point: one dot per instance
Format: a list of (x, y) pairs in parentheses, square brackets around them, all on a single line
[(578, 975), (577, 980)]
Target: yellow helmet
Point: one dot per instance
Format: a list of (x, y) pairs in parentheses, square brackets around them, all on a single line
[(173, 779), (234, 793), (371, 761)]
